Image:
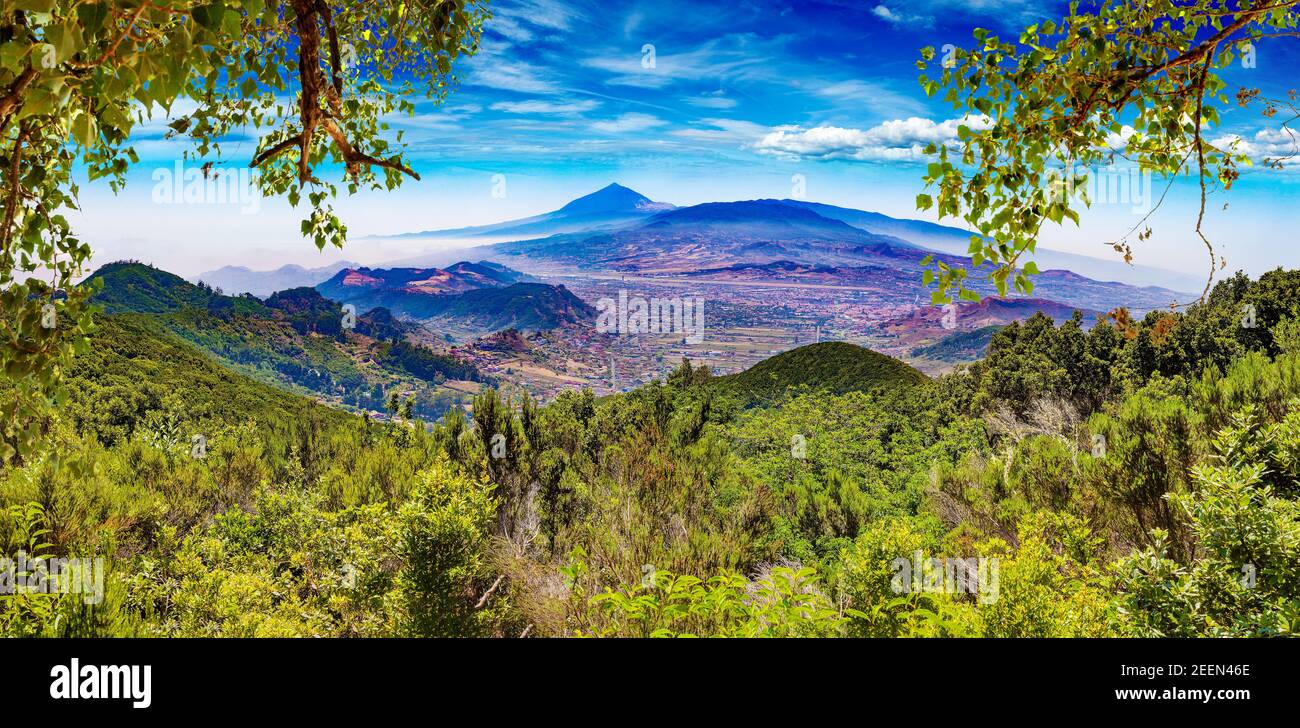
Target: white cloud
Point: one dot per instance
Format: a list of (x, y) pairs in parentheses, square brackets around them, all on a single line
[(549, 14), (895, 17), (513, 76), (1008, 13), (555, 108), (1117, 142), (631, 121), (1267, 144), (632, 23), (884, 13), (495, 66), (510, 28), (897, 140)]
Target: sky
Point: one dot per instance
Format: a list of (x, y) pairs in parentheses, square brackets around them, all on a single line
[(690, 102)]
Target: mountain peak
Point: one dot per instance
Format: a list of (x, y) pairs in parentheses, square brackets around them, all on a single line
[(613, 198)]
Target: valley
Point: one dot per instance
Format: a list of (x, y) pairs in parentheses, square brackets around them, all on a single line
[(772, 275)]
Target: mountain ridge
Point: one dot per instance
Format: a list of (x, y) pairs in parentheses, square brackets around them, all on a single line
[(724, 236), (481, 296)]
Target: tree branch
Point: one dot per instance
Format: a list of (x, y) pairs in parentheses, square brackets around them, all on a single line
[(293, 141), (314, 85), (13, 96), (15, 189), (108, 52)]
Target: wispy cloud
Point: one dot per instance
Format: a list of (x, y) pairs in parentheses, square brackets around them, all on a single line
[(879, 96), (898, 17), (631, 121), (738, 56), (927, 13), (555, 108), (498, 66), (715, 100), (722, 130), (550, 14)]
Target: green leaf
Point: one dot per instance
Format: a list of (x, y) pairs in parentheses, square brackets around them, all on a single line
[(85, 130), (210, 16), (92, 17), (66, 39)]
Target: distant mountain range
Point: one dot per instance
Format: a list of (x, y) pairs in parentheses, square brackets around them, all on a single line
[(716, 234), (476, 297), (234, 279), (792, 242), (616, 207), (620, 230), (955, 241)]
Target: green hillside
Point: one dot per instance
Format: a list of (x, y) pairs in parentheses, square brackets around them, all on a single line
[(294, 340), (524, 306), (833, 367), (959, 347), (129, 287), (131, 372)]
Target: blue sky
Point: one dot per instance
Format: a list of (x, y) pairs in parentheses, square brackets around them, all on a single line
[(689, 102)]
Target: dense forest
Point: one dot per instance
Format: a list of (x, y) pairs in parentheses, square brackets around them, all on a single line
[(1134, 478)]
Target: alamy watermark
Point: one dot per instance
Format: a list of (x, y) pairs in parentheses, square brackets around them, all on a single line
[(632, 315), (1112, 185), (76, 681), (184, 184), (26, 574)]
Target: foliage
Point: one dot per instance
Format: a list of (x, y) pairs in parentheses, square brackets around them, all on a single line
[(1245, 580), (295, 337), (784, 603), (679, 508), (1137, 80), (959, 346), (77, 75)]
